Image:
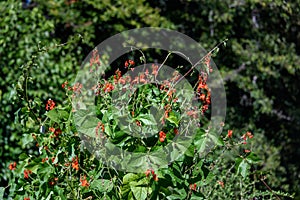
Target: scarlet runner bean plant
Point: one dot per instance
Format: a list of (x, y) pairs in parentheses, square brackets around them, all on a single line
[(61, 166)]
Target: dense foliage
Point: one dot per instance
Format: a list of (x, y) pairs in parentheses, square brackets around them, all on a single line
[(46, 42)]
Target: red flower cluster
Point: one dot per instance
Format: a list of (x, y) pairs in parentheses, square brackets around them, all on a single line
[(193, 187), (75, 164), (108, 87), (12, 166), (50, 104), (154, 69), (207, 62), (64, 84), (98, 126), (76, 88), (221, 183), (138, 123), (176, 131), (246, 136), (44, 159), (95, 58), (55, 131), (155, 178), (84, 182), (117, 76), (129, 63), (192, 113), (202, 89), (26, 173), (53, 182), (229, 134), (162, 136)]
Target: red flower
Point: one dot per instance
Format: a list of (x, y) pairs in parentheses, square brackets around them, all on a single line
[(26, 198), (148, 172), (75, 163), (249, 134), (229, 134), (202, 97), (131, 62), (51, 129), (84, 182), (176, 131), (162, 136), (44, 160), (50, 104), (77, 88), (245, 136), (108, 87), (57, 132), (247, 151), (154, 69), (192, 113), (193, 187), (138, 123), (64, 84), (221, 183), (26, 173), (12, 166), (155, 177)]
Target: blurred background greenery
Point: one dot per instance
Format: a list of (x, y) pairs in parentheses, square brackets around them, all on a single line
[(260, 64)]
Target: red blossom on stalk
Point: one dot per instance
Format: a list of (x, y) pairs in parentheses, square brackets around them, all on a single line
[(26, 173), (12, 166), (192, 113), (229, 134), (77, 88), (221, 183), (57, 132), (129, 63), (95, 58), (207, 62), (51, 129), (117, 75), (75, 164), (151, 171), (176, 131), (50, 104), (64, 84), (99, 125), (162, 136), (193, 187), (138, 123), (108, 87), (154, 69), (246, 136), (84, 182)]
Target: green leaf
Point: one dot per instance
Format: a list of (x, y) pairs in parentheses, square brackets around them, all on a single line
[(129, 177), (102, 185), (147, 119), (216, 139), (2, 192), (173, 118), (139, 192), (253, 158), (53, 115), (242, 166)]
